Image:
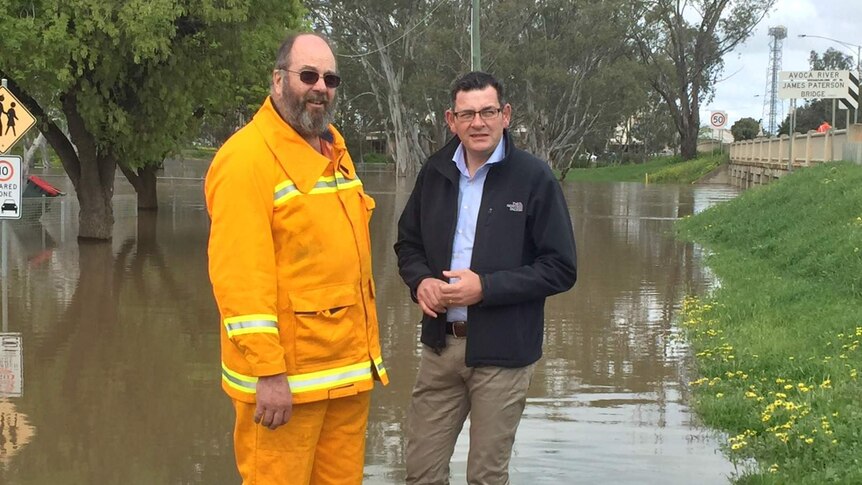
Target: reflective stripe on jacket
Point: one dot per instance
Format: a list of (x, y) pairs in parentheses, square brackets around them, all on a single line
[(290, 264)]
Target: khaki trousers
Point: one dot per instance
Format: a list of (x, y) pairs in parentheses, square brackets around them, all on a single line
[(446, 391), (322, 444)]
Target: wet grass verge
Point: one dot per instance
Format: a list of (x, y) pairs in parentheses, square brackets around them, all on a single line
[(777, 345), (656, 170)]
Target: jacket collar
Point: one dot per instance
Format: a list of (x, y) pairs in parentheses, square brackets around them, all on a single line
[(303, 164), (442, 158)]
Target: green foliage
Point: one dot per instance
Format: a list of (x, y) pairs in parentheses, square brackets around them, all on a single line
[(683, 45), (745, 129), (831, 59), (778, 343), (556, 59), (376, 158), (690, 171), (141, 73)]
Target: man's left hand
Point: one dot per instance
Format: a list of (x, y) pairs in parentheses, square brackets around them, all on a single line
[(464, 292)]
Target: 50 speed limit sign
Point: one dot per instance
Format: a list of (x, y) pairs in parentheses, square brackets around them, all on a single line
[(717, 119)]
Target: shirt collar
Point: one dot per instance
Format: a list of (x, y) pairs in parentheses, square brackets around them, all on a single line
[(461, 161), (303, 164)]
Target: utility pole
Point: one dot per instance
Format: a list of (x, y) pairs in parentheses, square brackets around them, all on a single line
[(476, 59)]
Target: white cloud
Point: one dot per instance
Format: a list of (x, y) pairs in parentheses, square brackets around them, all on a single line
[(741, 93)]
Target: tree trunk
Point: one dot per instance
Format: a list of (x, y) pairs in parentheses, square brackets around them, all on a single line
[(144, 181), (95, 190), (688, 144)]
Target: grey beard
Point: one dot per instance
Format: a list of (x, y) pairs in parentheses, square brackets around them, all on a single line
[(306, 123)]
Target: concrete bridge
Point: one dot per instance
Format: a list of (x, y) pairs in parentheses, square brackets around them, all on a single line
[(762, 160)]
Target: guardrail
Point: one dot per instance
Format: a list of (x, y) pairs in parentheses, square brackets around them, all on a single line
[(759, 161), (808, 149)]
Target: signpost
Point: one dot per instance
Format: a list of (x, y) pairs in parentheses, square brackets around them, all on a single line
[(793, 85), (11, 365), (717, 120), (840, 85), (15, 120)]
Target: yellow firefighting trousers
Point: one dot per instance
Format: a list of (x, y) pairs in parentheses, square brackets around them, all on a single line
[(322, 444)]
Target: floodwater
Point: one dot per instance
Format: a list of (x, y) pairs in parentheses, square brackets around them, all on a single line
[(120, 382)]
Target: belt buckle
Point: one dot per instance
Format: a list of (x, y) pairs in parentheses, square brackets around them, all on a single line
[(462, 325)]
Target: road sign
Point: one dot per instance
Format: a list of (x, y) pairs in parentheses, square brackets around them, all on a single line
[(717, 119), (10, 187), (11, 365), (15, 120), (842, 85)]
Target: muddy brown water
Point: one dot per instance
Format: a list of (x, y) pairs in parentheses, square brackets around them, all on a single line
[(121, 384)]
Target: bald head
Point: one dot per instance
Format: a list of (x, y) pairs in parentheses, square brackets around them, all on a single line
[(305, 41)]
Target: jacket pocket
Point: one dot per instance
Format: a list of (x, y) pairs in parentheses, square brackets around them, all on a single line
[(326, 325)]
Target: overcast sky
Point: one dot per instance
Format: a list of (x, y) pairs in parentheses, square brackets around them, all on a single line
[(741, 92)]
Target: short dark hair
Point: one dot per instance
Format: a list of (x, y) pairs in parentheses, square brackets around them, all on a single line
[(282, 59), (476, 80)]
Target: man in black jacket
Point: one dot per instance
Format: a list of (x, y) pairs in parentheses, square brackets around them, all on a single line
[(484, 238)]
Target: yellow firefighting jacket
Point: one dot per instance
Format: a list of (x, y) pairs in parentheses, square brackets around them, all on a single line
[(290, 264)]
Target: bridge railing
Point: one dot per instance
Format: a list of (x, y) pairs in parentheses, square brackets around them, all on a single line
[(809, 148)]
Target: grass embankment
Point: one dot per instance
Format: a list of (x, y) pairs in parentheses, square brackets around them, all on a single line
[(778, 344), (660, 170)]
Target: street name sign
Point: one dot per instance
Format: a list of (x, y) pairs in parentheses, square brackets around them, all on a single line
[(841, 85)]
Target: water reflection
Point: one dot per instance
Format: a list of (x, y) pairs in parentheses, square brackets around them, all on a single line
[(122, 381)]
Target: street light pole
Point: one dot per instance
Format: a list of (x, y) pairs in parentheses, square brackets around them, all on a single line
[(858, 65), (475, 47)]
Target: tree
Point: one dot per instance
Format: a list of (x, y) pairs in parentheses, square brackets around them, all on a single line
[(556, 59), (131, 80), (654, 126), (745, 129), (683, 42), (382, 37), (572, 78)]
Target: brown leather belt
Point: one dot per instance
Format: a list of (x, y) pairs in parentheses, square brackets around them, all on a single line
[(457, 329)]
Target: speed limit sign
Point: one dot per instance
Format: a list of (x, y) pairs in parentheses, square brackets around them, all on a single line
[(717, 119)]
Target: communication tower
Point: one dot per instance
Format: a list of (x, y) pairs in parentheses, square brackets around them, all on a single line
[(772, 106)]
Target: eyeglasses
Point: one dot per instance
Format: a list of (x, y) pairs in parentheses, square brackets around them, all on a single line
[(311, 77), (469, 114)]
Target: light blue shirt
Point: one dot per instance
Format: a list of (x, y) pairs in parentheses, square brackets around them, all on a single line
[(469, 199)]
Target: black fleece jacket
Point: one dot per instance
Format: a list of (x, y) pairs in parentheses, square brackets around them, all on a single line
[(524, 251)]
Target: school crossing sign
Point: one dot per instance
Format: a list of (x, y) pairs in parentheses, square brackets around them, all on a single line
[(15, 120)]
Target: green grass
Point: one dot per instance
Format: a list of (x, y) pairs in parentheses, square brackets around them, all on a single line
[(659, 170), (778, 344), (198, 153), (688, 172)]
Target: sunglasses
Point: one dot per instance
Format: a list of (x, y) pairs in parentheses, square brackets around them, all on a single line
[(311, 77)]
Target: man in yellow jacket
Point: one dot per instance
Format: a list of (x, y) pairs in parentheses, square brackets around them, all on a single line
[(290, 265)]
